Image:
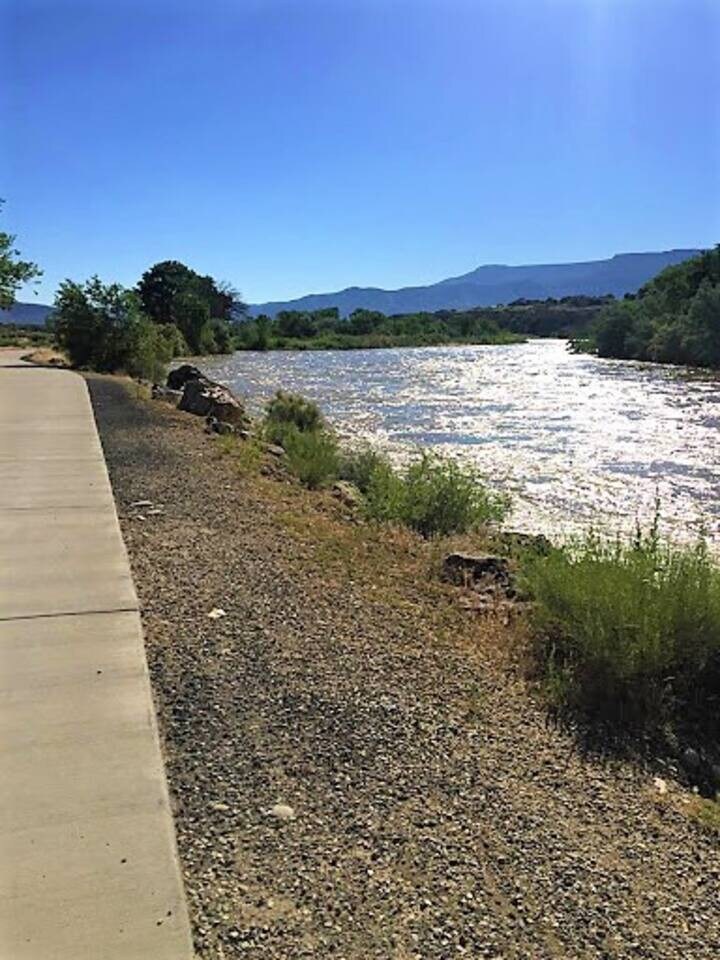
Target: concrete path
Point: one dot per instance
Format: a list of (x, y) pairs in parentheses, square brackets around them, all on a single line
[(88, 864)]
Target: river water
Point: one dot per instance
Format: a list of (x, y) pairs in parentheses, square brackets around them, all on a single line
[(578, 441)]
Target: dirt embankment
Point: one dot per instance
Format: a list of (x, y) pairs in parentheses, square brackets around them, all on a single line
[(355, 775)]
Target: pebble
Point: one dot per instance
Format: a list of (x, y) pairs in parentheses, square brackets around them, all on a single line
[(321, 690)]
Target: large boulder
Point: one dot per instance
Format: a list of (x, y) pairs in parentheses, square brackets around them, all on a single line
[(181, 375), (205, 398)]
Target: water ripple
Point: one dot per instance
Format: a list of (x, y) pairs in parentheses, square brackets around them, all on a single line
[(577, 440)]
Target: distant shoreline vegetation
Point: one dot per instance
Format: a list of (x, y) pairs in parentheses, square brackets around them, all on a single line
[(325, 329), (675, 318)]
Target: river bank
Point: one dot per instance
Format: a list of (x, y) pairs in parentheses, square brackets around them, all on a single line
[(434, 812)]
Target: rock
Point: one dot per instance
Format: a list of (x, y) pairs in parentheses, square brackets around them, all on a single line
[(216, 613), (282, 811), (159, 392), (218, 426), (274, 449), (691, 759), (466, 569), (660, 785), (177, 378), (347, 493), (207, 399)]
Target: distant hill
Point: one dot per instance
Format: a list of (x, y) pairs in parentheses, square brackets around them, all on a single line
[(496, 284), (26, 314)]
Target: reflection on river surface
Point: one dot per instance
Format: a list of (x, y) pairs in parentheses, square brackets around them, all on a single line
[(577, 440)]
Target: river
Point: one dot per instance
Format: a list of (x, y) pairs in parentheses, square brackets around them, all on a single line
[(578, 441)]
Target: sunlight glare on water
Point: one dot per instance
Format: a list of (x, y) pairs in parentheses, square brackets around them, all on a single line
[(578, 441)]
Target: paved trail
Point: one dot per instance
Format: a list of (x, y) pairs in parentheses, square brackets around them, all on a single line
[(88, 866)]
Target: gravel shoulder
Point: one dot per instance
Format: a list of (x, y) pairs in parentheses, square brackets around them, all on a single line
[(433, 811)]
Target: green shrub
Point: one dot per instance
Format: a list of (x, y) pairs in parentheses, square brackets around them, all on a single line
[(206, 342), (291, 410), (358, 466), (174, 339), (434, 496), (150, 352), (101, 326), (628, 631), (312, 455)]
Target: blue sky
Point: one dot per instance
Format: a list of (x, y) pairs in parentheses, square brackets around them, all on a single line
[(292, 147)]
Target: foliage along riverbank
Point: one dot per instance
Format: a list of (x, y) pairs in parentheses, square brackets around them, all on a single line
[(675, 318), (626, 632), (367, 329)]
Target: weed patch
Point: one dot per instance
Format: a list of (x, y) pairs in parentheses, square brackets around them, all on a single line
[(628, 631)]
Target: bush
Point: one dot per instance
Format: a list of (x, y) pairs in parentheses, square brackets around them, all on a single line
[(150, 354), (358, 466), (174, 339), (291, 410), (102, 327), (434, 496), (628, 631), (206, 342), (312, 455)]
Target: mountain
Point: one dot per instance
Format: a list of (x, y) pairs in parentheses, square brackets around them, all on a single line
[(495, 284), (26, 314)]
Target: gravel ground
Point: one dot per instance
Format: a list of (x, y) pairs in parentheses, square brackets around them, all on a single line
[(348, 781)]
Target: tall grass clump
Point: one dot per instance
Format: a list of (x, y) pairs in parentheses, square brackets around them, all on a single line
[(291, 410), (435, 496), (629, 631), (312, 455)]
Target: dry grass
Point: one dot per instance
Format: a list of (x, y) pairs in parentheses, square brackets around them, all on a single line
[(47, 357)]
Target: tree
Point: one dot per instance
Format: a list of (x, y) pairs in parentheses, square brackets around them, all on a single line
[(614, 328), (190, 315), (675, 317), (13, 271), (101, 326), (173, 293), (701, 328), (295, 323)]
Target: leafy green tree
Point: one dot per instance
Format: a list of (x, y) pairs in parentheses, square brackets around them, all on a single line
[(191, 314), (102, 326), (675, 318), (263, 326), (701, 330), (364, 321), (173, 293), (615, 329), (13, 271), (295, 323), (161, 286)]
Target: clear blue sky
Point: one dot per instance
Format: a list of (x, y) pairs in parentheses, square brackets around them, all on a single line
[(292, 147)]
